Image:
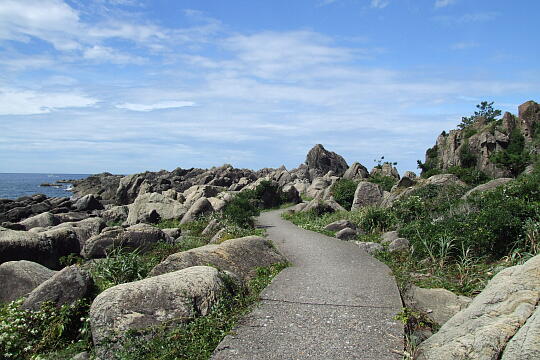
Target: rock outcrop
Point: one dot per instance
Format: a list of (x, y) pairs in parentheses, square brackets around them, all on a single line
[(19, 278), (494, 317), (165, 207), (367, 194), (320, 161)]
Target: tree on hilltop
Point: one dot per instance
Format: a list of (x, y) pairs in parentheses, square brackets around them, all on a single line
[(485, 110)]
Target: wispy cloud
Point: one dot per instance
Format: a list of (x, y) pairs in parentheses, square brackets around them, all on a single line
[(379, 4), (157, 106), (444, 3), (464, 45), (467, 18)]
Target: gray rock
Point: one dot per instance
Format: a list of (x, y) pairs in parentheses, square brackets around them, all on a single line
[(140, 236), (194, 193), (216, 239), (385, 169), (217, 203), (65, 287), (405, 182), (367, 194), (444, 179), (389, 236), (88, 203), (299, 207), (144, 204), (439, 305), (291, 194), (370, 247), (116, 214), (169, 299), (199, 208), (399, 244), (42, 220), (323, 206), (240, 256), (339, 225), (84, 229), (525, 344), (490, 185), (318, 186), (410, 175), (482, 330), (346, 234), (356, 171), (19, 278), (173, 233), (321, 161), (212, 227), (81, 356)]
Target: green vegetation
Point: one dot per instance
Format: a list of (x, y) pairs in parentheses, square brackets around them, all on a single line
[(198, 338), (485, 110), (515, 157), (386, 182), (343, 192)]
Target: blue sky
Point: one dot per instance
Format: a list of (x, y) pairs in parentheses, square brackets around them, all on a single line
[(130, 85)]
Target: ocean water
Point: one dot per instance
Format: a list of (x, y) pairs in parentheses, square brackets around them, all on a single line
[(13, 186)]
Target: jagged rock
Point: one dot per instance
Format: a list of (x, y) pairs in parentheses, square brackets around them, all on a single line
[(65, 287), (42, 220), (356, 171), (140, 236), (167, 299), (410, 175), (321, 161), (323, 206), (367, 194), (482, 330), (173, 233), (19, 278), (217, 203), (45, 248), (340, 225), (117, 214), (444, 180), (165, 207), (212, 227), (389, 236), (370, 247), (291, 194), (240, 256), (405, 182), (103, 185), (346, 234), (84, 229), (487, 186), (438, 305), (385, 169), (73, 216), (199, 208), (399, 244), (194, 193), (525, 344), (88, 203), (318, 186)]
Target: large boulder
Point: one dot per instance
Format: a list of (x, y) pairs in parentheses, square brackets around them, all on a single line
[(483, 329), (42, 220), (444, 180), (19, 278), (438, 305), (199, 208), (167, 299), (322, 206), (318, 187), (140, 236), (356, 171), (197, 192), (525, 344), (45, 248), (65, 287), (104, 185), (490, 185), (385, 169), (116, 214), (339, 225), (240, 256), (88, 203), (84, 229), (367, 194), (321, 161), (165, 207)]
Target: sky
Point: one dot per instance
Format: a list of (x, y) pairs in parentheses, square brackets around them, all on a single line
[(129, 85)]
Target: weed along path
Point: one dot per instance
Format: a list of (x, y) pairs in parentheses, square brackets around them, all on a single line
[(334, 302)]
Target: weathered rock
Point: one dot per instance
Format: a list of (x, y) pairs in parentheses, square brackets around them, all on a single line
[(240, 256), (173, 233), (212, 227), (356, 171), (216, 239), (318, 186), (367, 194), (170, 299), (323, 206), (385, 169), (42, 220), (322, 161), (444, 180), (346, 234), (438, 305), (410, 175), (88, 203), (81, 356), (370, 247), (482, 330), (525, 344), (116, 214), (140, 236), (405, 182), (291, 194), (199, 208), (84, 229), (399, 244), (19, 278), (339, 225), (217, 203), (144, 204), (104, 185), (194, 193), (389, 236), (65, 287), (45, 248), (487, 186), (299, 207)]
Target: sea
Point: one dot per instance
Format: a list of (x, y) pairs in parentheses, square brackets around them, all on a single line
[(13, 186)]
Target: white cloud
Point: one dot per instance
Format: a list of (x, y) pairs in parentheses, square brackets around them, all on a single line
[(443, 3), (107, 54), (467, 18), (379, 4), (28, 102), (464, 45), (156, 106)]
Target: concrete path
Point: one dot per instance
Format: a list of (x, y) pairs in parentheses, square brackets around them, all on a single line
[(334, 302)]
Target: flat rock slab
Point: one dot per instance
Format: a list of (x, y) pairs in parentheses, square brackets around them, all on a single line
[(334, 302)]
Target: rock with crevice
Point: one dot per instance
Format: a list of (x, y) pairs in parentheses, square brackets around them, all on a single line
[(19, 278), (320, 161), (490, 185), (367, 194)]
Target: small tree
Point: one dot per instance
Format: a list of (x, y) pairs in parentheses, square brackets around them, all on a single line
[(485, 110)]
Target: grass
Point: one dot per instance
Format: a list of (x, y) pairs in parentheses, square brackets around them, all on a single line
[(197, 339)]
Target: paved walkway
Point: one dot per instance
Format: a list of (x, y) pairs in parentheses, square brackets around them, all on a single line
[(334, 302)]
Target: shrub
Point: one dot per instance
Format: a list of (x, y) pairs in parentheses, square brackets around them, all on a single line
[(515, 157), (375, 219), (386, 182), (343, 192), (241, 209), (485, 110), (469, 176), (466, 157)]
